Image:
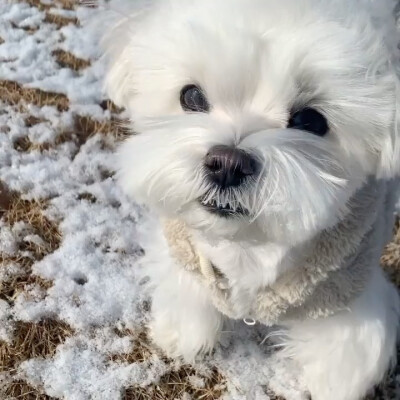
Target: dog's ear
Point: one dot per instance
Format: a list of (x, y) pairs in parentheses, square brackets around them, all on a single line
[(123, 21), (389, 12), (390, 156)]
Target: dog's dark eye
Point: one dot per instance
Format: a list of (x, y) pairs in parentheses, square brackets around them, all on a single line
[(193, 99), (309, 120)]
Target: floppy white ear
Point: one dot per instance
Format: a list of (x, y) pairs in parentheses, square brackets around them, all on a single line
[(118, 80), (387, 15), (121, 23), (390, 155)]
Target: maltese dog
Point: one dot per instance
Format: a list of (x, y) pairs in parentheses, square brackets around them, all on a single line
[(267, 144)]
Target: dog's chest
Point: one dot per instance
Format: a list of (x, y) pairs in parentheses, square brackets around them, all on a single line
[(247, 268)]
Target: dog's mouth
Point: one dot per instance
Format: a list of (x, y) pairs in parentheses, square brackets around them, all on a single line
[(227, 210)]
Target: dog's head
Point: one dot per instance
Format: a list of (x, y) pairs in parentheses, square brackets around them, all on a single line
[(257, 118)]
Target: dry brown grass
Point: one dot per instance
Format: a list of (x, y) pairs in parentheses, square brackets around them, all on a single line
[(32, 121), (28, 29), (172, 385), (59, 20), (31, 340), (391, 263), (64, 4), (110, 106), (6, 198), (141, 348), (68, 4), (87, 127), (38, 4), (87, 197), (31, 213), (271, 394), (175, 384), (24, 144), (391, 256), (15, 94), (11, 288), (20, 390), (66, 59)]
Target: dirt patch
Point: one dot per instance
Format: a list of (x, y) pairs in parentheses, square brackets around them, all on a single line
[(14, 94), (175, 384), (68, 60)]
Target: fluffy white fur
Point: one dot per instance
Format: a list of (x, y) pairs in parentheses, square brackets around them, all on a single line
[(256, 60)]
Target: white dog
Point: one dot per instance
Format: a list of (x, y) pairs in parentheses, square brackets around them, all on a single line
[(268, 140)]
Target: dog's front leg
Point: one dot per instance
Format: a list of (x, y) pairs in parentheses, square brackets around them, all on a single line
[(184, 323), (345, 355)]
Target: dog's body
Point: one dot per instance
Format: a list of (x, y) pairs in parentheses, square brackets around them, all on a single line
[(264, 127)]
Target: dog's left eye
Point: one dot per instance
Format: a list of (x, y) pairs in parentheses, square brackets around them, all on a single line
[(193, 99), (309, 120)]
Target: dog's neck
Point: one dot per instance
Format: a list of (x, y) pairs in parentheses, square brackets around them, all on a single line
[(245, 264), (267, 281)]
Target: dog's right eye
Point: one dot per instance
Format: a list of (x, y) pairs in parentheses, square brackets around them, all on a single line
[(309, 120), (193, 99)]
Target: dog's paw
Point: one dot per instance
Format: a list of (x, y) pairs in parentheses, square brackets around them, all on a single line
[(185, 339), (184, 321)]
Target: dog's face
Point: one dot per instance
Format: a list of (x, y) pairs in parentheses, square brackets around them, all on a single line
[(254, 118)]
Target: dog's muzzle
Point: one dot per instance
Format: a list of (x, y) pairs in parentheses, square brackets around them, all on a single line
[(229, 167), (226, 211)]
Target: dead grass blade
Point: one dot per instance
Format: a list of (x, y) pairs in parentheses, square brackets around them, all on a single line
[(175, 384), (14, 94), (66, 59)]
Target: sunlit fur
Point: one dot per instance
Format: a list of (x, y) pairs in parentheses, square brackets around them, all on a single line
[(257, 61)]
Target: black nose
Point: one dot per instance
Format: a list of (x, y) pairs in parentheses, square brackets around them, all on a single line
[(229, 167)]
